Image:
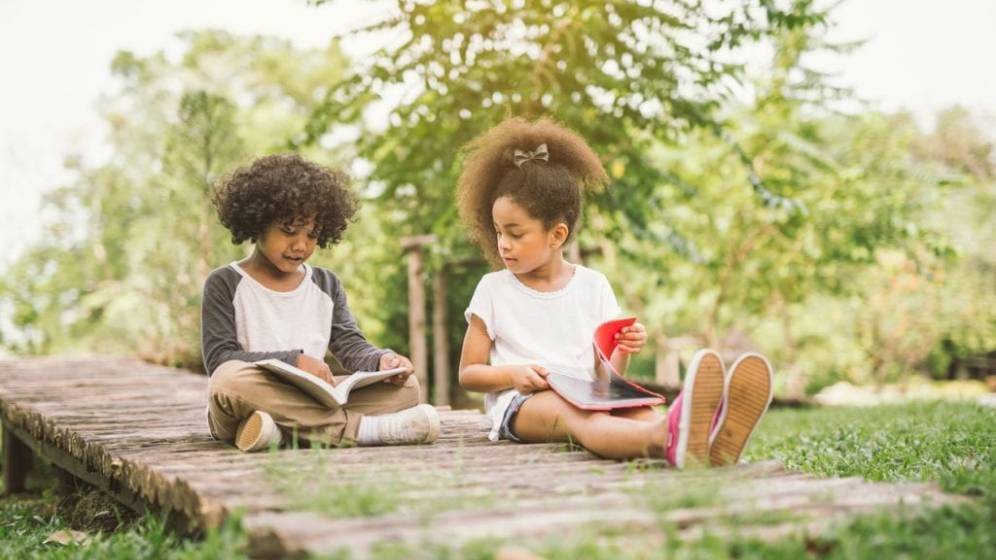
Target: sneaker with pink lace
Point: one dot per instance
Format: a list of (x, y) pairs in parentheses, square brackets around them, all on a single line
[(691, 415)]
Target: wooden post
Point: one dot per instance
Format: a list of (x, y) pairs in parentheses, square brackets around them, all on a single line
[(666, 362), (17, 461), (416, 310), (440, 342)]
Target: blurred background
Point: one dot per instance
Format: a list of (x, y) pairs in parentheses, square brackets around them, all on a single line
[(813, 180)]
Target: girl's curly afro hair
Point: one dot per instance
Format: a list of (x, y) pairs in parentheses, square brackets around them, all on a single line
[(285, 188), (548, 190)]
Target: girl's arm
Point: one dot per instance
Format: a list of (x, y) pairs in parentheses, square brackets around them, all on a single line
[(631, 339), (477, 375)]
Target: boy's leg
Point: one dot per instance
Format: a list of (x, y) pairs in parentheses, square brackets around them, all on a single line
[(546, 417), (237, 389)]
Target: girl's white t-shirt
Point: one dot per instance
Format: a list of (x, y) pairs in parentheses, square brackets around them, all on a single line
[(551, 329)]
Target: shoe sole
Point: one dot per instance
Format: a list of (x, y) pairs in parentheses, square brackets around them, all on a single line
[(250, 433), (749, 393), (703, 392)]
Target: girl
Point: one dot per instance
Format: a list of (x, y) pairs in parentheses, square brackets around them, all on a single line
[(272, 304), (520, 194)]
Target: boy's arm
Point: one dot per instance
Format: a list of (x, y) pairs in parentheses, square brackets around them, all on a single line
[(219, 341), (347, 342)]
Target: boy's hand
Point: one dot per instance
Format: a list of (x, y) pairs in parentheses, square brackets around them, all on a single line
[(391, 361), (632, 338), (315, 367), (529, 379)]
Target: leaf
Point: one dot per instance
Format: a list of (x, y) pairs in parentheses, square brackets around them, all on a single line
[(67, 536)]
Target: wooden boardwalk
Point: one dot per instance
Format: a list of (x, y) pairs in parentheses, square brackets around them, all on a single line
[(139, 432)]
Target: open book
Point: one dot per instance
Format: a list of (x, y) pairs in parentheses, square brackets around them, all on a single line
[(608, 390), (321, 390)]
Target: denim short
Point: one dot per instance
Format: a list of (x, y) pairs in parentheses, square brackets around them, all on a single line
[(505, 428)]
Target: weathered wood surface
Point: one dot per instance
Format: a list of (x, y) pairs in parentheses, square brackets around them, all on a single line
[(139, 432)]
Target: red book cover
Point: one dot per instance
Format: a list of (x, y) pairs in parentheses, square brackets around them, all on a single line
[(608, 390)]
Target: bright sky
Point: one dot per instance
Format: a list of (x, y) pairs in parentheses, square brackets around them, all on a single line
[(922, 55)]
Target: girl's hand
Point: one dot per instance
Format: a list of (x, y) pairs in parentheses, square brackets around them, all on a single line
[(315, 367), (632, 338), (391, 361), (529, 379)]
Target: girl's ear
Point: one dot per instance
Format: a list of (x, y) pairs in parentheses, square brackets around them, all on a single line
[(558, 235)]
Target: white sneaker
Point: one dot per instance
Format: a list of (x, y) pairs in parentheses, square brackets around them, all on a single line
[(258, 432), (418, 424)]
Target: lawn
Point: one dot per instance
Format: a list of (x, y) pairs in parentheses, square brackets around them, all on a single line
[(951, 444)]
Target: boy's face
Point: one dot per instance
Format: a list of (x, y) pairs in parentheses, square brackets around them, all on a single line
[(287, 245), (524, 243)]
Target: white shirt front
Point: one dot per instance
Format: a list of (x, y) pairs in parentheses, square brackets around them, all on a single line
[(269, 320), (551, 329)]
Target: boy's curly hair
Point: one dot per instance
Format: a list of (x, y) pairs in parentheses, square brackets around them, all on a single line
[(548, 190), (285, 188)]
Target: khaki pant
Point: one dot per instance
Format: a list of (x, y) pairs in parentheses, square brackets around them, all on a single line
[(237, 389)]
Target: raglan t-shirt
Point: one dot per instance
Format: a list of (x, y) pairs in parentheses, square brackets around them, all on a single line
[(243, 320), (551, 329)]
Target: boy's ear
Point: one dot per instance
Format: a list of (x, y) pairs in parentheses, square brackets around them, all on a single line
[(558, 235)]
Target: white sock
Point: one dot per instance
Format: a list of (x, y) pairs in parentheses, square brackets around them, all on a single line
[(367, 432)]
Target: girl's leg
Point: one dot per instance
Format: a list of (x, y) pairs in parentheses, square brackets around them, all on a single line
[(643, 413), (546, 417)]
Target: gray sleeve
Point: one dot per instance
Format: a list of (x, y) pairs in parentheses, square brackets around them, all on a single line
[(219, 341), (347, 342)]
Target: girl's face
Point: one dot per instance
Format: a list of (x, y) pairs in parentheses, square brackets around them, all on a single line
[(287, 245), (524, 243)]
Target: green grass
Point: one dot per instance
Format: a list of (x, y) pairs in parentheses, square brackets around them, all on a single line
[(950, 443), (26, 520)]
